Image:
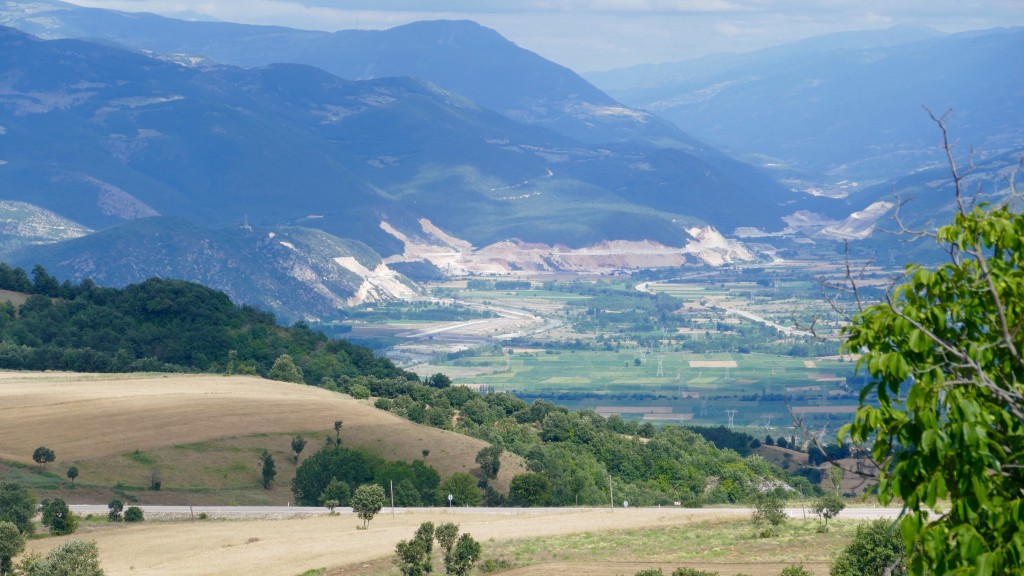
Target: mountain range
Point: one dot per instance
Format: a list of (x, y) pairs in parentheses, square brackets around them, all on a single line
[(298, 170), (832, 113), (101, 136)]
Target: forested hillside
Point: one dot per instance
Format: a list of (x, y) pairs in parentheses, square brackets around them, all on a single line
[(164, 326)]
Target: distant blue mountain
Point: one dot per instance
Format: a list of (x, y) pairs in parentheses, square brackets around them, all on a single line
[(844, 107), (113, 139), (460, 56)]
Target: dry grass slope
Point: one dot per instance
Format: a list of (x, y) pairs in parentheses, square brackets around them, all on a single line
[(87, 417)]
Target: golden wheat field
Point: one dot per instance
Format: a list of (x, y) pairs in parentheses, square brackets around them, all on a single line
[(290, 547), (87, 417)]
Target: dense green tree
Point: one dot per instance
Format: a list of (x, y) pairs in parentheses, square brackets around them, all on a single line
[(446, 535), (412, 558), (285, 370), (267, 469), (530, 489), (438, 380), (74, 558), (876, 550), (114, 510), (489, 459), (43, 456), (463, 556), (366, 501), (462, 488), (944, 413), (72, 473), (59, 518), (17, 506), (406, 494), (298, 443), (317, 471), (337, 491), (475, 411), (12, 542), (359, 392)]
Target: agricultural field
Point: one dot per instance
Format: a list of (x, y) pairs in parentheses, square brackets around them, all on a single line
[(545, 541), (750, 347), (200, 436)]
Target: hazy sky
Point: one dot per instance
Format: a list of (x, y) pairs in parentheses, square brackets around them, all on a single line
[(591, 35)]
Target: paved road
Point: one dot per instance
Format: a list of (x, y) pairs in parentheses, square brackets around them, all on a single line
[(256, 512)]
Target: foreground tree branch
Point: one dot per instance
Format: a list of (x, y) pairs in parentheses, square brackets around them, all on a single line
[(945, 412)]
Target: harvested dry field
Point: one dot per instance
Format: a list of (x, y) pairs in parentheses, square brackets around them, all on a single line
[(290, 547), (82, 416)]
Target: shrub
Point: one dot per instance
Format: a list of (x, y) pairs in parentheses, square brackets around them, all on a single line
[(359, 392), (876, 549), (769, 514), (133, 514), (796, 570), (77, 558)]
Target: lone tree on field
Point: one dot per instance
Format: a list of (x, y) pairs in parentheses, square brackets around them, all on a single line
[(827, 508), (298, 443), (944, 412), (269, 470), (115, 507), (43, 456), (11, 544), (72, 474), (367, 500), (768, 512)]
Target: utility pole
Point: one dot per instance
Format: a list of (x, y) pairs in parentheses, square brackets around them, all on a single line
[(732, 416)]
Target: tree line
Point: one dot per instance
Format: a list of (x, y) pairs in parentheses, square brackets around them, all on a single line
[(163, 326)]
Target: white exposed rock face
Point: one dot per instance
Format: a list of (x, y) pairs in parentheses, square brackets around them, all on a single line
[(454, 256), (714, 249), (379, 284)]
